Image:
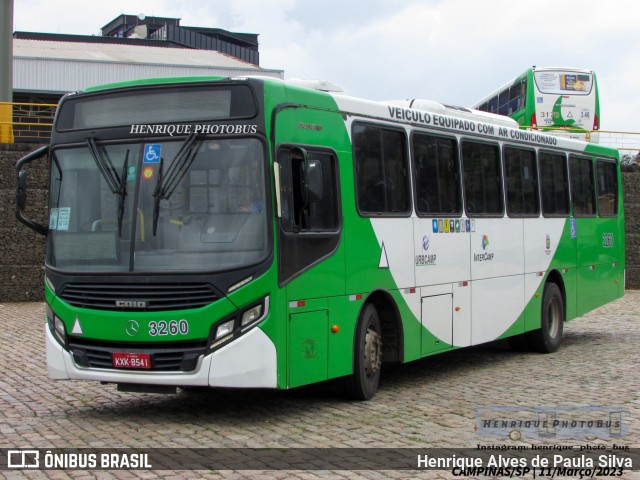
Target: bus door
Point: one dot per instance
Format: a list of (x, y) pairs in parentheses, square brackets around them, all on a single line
[(310, 256)]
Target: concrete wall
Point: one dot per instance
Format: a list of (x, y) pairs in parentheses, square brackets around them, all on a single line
[(22, 250)]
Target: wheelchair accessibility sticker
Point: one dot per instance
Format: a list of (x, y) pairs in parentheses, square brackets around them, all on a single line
[(152, 153)]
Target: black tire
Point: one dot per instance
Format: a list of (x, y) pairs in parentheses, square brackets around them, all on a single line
[(547, 338), (367, 356)]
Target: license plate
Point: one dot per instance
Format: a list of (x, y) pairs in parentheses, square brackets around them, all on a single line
[(131, 360)]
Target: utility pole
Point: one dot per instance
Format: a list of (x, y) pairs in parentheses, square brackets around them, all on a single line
[(6, 70)]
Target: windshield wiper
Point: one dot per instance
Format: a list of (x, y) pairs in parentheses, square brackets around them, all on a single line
[(117, 184), (104, 166), (122, 192), (157, 196), (167, 182)]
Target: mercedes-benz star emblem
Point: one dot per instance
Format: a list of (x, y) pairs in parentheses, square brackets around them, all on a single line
[(132, 328)]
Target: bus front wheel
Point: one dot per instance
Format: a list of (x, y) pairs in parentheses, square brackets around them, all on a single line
[(362, 385), (547, 338)]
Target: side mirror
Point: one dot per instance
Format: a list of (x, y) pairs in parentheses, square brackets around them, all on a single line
[(21, 189)]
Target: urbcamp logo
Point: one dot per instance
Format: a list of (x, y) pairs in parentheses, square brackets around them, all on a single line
[(486, 256), (425, 243), (424, 259), (485, 242)]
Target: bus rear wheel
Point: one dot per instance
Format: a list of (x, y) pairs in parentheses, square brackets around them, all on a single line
[(547, 338), (362, 385)]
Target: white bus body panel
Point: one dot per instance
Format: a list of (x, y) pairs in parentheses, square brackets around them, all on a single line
[(491, 267)]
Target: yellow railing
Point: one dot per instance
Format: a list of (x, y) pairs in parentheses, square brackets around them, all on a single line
[(621, 140), (26, 122)]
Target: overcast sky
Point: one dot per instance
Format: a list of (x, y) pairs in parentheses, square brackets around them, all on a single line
[(452, 51)]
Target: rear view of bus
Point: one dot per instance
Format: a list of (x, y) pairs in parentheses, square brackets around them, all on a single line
[(566, 101), (562, 101)]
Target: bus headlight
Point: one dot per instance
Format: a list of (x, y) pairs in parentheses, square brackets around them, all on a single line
[(251, 315), (224, 329), (56, 325), (237, 324)]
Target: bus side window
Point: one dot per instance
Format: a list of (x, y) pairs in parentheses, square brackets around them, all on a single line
[(503, 102), (492, 105), (582, 187), (436, 174), (515, 98), (482, 179), (308, 190), (382, 171), (554, 184), (521, 181), (607, 188)]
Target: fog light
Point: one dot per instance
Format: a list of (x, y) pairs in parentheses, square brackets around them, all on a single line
[(251, 315), (224, 329)]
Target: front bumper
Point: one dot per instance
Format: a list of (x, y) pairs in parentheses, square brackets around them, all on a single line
[(248, 362)]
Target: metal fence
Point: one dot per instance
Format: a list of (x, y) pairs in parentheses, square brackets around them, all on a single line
[(625, 142), (26, 122)]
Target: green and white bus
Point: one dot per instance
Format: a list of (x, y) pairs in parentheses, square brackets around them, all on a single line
[(562, 101), (250, 232)]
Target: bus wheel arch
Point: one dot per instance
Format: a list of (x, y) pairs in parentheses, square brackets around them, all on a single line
[(391, 324), (553, 315), (377, 339), (555, 277)]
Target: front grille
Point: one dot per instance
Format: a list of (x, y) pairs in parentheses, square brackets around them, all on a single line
[(154, 296), (170, 357)]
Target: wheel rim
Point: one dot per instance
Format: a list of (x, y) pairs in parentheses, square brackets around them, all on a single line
[(555, 317), (372, 352)]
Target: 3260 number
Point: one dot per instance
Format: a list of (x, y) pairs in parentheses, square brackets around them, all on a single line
[(164, 328)]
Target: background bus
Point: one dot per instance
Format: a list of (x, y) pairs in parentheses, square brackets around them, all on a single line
[(563, 101), (247, 232)]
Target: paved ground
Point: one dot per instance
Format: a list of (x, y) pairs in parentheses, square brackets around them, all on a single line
[(429, 403)]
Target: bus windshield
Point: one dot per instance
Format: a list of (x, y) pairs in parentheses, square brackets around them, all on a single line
[(557, 82), (196, 205)]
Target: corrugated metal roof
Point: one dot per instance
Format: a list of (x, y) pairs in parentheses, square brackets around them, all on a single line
[(54, 66), (105, 52)]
